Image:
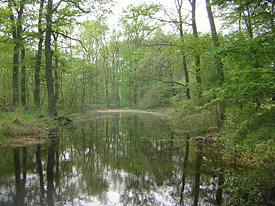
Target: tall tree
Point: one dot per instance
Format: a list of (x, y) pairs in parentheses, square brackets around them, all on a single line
[(218, 62), (197, 56), (179, 24), (252, 17), (23, 77), (16, 34), (48, 56), (116, 58), (38, 56), (56, 68), (137, 28)]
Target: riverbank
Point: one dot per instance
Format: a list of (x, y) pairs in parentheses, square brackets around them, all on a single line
[(21, 128), (24, 129)]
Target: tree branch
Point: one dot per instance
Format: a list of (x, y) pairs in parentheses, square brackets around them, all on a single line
[(78, 6), (57, 5), (71, 38), (170, 82)]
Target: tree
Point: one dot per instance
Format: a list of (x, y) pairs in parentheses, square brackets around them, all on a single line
[(115, 46), (16, 31), (218, 62), (179, 6), (197, 55), (48, 57), (23, 77), (252, 17), (38, 56), (137, 28)]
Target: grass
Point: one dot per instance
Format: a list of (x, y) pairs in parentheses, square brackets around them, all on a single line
[(21, 127)]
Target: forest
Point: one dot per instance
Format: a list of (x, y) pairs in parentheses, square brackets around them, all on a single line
[(54, 60)]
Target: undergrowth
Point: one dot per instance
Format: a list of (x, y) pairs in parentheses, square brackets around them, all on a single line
[(19, 124)]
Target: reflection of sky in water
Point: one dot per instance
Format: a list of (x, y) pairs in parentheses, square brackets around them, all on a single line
[(132, 165), (162, 195)]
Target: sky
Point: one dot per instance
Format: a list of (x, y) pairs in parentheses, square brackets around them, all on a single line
[(201, 14)]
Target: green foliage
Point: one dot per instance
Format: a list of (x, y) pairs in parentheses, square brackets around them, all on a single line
[(242, 190), (266, 151), (192, 118), (250, 186), (253, 80)]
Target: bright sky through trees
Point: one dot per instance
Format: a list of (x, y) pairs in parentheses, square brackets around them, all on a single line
[(202, 19)]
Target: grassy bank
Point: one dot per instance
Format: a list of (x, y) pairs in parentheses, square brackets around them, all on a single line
[(245, 143), (23, 128)]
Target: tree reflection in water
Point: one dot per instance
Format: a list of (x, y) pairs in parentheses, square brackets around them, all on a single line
[(184, 169), (120, 159), (50, 172)]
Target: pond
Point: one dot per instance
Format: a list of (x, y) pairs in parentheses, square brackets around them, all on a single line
[(116, 159)]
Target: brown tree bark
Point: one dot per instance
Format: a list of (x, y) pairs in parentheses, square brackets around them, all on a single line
[(23, 77), (48, 56), (179, 4), (197, 56), (56, 76), (38, 57), (16, 35)]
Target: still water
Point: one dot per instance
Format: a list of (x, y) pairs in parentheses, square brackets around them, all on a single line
[(116, 159)]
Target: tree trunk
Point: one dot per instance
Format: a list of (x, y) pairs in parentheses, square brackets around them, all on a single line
[(16, 35), (106, 93), (83, 93), (56, 77), (38, 58), (48, 56), (15, 76), (185, 70), (197, 56), (184, 64), (248, 23), (23, 78), (218, 61), (135, 85)]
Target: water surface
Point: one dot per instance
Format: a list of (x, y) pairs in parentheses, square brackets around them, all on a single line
[(117, 159)]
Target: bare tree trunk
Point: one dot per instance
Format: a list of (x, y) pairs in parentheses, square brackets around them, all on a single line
[(184, 64), (106, 93), (218, 61), (16, 34), (38, 58), (23, 78), (83, 93), (197, 56), (48, 56), (15, 76), (135, 85), (56, 77)]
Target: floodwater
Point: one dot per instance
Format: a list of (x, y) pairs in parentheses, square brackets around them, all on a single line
[(116, 159)]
